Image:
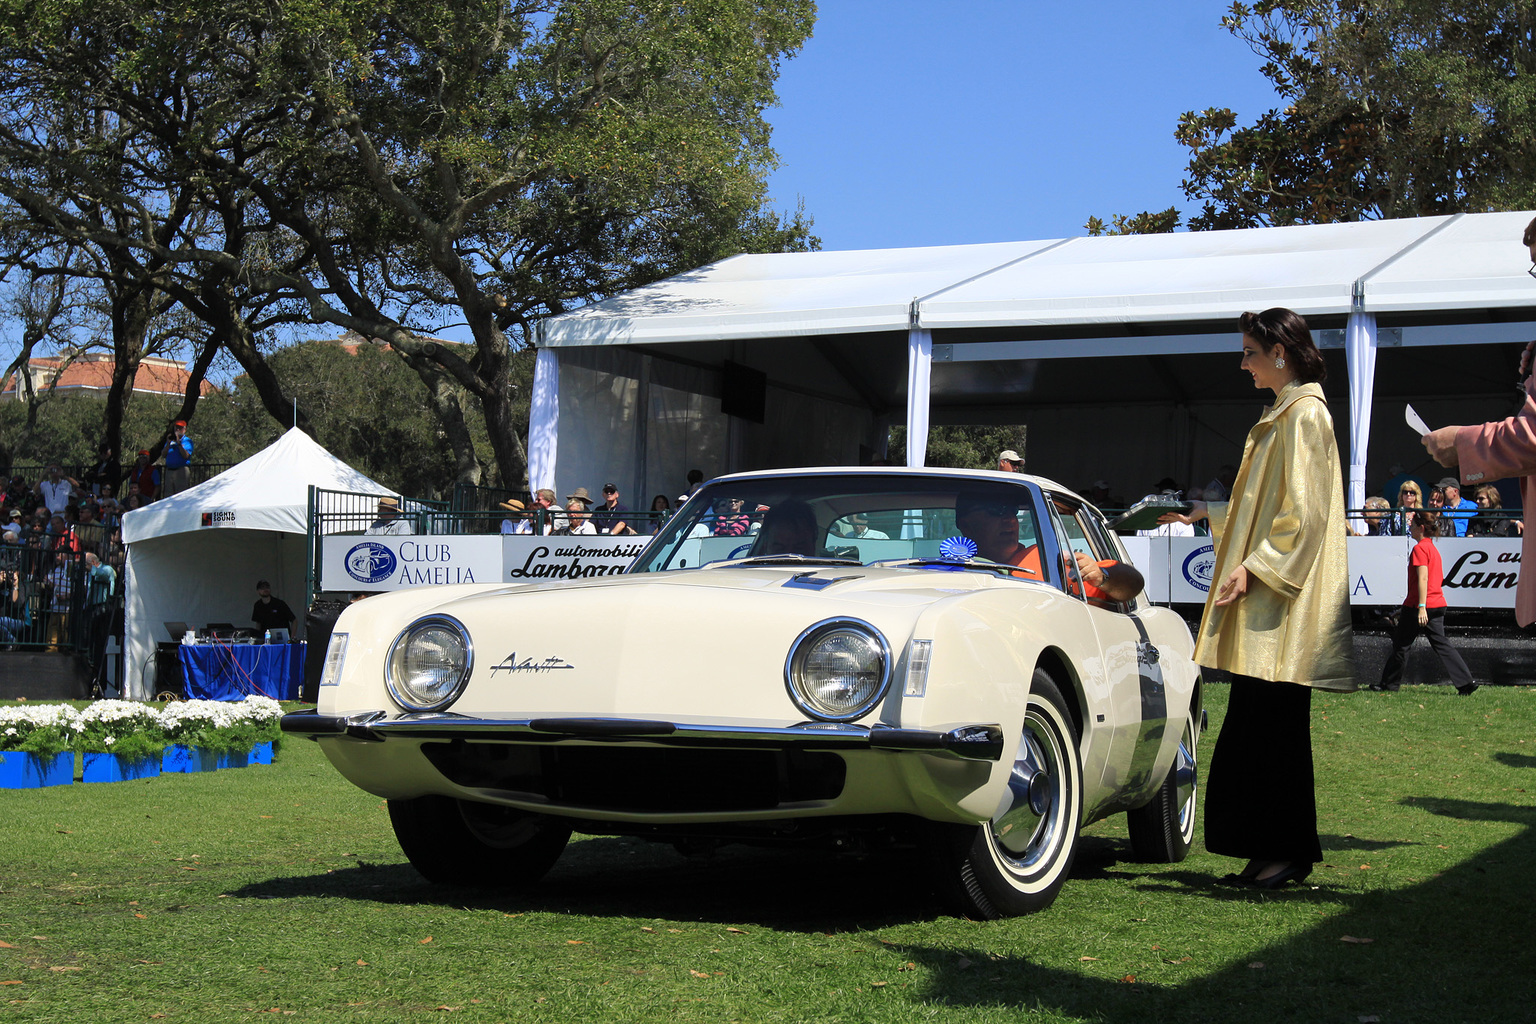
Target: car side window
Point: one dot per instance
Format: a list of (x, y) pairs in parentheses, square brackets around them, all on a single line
[(1069, 539), (1102, 549)]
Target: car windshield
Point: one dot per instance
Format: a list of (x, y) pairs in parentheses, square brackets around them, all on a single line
[(848, 519)]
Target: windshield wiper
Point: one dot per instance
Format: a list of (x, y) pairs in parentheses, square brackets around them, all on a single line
[(790, 559), (946, 563)]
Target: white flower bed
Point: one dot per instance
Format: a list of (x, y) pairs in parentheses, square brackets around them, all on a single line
[(111, 720)]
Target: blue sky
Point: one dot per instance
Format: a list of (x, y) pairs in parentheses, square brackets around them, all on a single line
[(930, 123)]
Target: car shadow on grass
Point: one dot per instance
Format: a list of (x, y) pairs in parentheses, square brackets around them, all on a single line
[(627, 877)]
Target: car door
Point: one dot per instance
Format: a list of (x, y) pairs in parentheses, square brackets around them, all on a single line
[(1131, 706), (1142, 709)]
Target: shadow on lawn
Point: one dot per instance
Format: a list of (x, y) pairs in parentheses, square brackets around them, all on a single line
[(626, 877), (1451, 948)]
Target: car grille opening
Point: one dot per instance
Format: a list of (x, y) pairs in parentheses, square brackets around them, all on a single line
[(627, 777)]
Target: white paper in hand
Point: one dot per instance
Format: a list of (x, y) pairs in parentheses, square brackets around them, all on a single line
[(1415, 420)]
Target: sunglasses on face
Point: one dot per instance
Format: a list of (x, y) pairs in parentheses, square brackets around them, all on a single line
[(1000, 511)]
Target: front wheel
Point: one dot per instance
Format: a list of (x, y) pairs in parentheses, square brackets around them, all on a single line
[(460, 842), (1017, 862), (1163, 831)]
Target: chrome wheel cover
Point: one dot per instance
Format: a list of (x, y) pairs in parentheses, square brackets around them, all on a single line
[(1186, 781), (1029, 826)]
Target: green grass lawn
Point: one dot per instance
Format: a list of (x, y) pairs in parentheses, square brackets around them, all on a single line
[(263, 893)]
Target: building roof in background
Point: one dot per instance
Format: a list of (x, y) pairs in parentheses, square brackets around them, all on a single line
[(91, 373)]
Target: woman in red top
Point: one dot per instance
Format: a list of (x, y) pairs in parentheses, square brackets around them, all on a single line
[(1424, 610)]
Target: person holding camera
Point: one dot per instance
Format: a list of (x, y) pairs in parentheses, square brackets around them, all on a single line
[(178, 456)]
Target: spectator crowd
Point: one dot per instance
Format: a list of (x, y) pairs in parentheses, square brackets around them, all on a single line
[(61, 545)]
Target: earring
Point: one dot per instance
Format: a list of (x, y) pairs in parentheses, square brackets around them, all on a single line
[(1280, 362)]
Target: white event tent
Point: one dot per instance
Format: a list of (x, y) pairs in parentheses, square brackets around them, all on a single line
[(1119, 354), (195, 557)]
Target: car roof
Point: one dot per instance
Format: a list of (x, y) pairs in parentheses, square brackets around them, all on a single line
[(1045, 483)]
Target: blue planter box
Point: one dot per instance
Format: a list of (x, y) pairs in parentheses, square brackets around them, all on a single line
[(20, 770), (261, 753), (240, 760), (116, 768), (179, 758)]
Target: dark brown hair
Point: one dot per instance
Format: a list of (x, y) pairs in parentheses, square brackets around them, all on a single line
[(1428, 522), (1280, 326), (1530, 233)]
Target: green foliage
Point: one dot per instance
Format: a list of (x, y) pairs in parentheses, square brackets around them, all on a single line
[(130, 729), (390, 166), (69, 427), (962, 447), (371, 410), (1144, 223), (46, 730), (1395, 108)]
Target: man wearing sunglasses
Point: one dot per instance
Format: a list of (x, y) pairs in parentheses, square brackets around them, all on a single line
[(994, 527), (1486, 452)]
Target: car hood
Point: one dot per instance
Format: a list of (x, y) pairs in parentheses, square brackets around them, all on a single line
[(700, 643)]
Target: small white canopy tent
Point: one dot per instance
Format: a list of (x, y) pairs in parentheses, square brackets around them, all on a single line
[(1117, 352), (195, 557)]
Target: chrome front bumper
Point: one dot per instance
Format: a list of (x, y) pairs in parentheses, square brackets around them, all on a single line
[(964, 742)]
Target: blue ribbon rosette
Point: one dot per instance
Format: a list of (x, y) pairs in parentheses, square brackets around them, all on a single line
[(955, 549)]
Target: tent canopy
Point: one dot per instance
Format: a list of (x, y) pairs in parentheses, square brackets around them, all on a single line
[(1117, 353), (268, 491), (195, 557), (1457, 262)]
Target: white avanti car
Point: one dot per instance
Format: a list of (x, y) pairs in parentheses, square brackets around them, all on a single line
[(797, 656)]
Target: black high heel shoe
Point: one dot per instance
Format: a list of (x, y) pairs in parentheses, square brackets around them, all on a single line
[(1294, 873)]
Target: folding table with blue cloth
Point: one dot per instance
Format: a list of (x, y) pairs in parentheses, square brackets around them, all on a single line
[(221, 671)]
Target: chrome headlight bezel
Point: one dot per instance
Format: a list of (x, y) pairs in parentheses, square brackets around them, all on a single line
[(397, 689), (794, 665)]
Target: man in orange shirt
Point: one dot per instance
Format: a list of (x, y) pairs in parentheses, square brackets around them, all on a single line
[(994, 526)]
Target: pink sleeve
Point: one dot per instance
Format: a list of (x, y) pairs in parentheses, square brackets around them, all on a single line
[(1506, 448)]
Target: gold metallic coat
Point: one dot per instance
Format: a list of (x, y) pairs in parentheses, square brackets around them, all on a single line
[(1285, 524)]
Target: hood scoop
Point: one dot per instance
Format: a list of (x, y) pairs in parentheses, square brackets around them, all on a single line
[(810, 581)]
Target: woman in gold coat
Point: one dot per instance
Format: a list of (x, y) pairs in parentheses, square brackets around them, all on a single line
[(1278, 619)]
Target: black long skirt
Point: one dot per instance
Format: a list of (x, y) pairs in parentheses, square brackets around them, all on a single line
[(1260, 803)]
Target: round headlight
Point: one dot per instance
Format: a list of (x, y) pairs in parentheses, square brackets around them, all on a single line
[(429, 664), (838, 669)]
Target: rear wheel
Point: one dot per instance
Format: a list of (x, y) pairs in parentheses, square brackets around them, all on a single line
[(1163, 831), (1017, 862), (459, 842)]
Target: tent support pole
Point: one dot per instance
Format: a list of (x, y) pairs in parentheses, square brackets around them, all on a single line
[(919, 375), (1360, 349), (543, 422)]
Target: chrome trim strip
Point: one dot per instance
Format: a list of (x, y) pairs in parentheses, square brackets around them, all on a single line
[(979, 742)]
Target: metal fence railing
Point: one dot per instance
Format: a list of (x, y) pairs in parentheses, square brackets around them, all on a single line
[(52, 599)]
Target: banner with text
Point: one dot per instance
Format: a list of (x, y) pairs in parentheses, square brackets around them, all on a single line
[(1479, 572), (353, 563)]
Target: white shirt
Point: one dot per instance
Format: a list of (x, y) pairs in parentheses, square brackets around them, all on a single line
[(55, 495)]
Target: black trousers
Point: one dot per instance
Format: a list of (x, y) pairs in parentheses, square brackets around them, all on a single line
[(1402, 638), (1260, 803)]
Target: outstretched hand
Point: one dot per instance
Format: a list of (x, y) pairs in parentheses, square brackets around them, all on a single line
[(1197, 511)]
